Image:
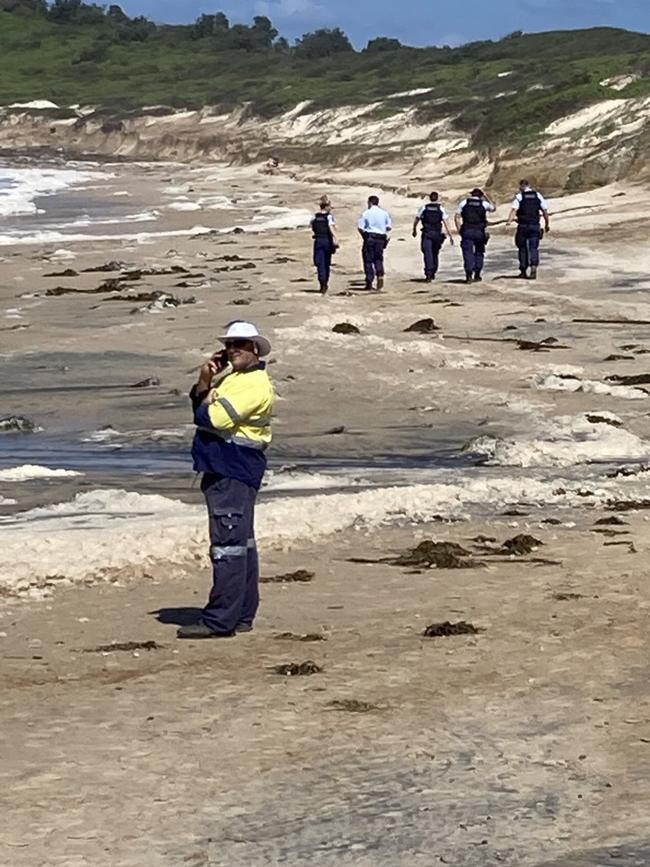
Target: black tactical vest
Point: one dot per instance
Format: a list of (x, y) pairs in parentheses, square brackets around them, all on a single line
[(474, 213), (528, 207), (432, 217), (321, 225)]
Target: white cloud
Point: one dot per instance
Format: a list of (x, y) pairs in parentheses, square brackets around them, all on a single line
[(452, 40), (287, 8)]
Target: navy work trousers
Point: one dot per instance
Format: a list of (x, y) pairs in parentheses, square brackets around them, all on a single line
[(527, 241), (472, 244), (234, 597), (323, 258), (430, 246), (372, 253)]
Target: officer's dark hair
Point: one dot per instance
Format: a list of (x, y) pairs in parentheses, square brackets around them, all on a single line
[(524, 183), (373, 200), (478, 192), (433, 197)]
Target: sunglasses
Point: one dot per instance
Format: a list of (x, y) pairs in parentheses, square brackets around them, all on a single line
[(239, 343)]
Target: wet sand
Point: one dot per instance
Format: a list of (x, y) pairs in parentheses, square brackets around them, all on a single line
[(525, 744)]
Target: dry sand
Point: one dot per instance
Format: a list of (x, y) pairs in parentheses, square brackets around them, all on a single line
[(526, 744)]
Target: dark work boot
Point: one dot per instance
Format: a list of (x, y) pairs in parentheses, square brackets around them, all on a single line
[(533, 272), (380, 284), (468, 276), (200, 630), (243, 627), (522, 274), (477, 277), (323, 288)]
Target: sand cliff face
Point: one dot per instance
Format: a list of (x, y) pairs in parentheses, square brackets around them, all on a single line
[(608, 141)]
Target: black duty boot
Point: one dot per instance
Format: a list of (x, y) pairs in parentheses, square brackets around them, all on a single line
[(200, 630), (323, 288), (468, 276), (243, 627), (533, 272), (380, 284), (477, 277), (522, 274)]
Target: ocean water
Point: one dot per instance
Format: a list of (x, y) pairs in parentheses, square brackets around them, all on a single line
[(40, 203), (21, 187), (55, 204)]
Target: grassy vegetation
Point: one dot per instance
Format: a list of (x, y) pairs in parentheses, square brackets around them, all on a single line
[(71, 53)]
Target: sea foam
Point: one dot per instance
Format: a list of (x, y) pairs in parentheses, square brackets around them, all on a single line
[(123, 535), (20, 187)]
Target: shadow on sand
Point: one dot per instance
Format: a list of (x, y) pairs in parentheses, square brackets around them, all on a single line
[(184, 615)]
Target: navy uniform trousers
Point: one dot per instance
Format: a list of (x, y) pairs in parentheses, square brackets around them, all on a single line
[(472, 244), (323, 258), (527, 241), (372, 253), (430, 246), (234, 597)]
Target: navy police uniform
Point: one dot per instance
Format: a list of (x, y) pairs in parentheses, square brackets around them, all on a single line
[(432, 217), (321, 226), (528, 205), (473, 233)]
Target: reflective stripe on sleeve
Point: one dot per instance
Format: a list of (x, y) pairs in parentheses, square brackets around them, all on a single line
[(257, 422), (230, 409)]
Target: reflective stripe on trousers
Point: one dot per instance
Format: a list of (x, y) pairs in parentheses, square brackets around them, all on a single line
[(218, 552)]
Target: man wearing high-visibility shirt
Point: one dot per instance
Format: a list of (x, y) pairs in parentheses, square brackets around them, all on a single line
[(232, 402)]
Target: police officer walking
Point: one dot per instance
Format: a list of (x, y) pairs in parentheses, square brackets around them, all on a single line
[(374, 227), (471, 223), (325, 243), (433, 217), (527, 206)]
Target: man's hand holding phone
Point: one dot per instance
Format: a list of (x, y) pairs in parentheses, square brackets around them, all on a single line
[(214, 365)]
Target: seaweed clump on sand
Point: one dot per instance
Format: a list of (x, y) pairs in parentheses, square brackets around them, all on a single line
[(300, 576), (440, 555), (351, 705), (297, 669), (442, 630), (124, 647), (520, 545), (16, 424), (627, 505), (345, 328), (423, 326)]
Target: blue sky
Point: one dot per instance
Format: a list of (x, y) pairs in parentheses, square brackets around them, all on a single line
[(415, 22)]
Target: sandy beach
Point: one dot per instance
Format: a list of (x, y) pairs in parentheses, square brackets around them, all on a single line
[(520, 410)]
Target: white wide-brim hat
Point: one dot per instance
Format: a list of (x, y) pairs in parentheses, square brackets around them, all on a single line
[(240, 330)]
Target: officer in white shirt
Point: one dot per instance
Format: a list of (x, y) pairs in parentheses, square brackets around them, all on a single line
[(471, 223), (432, 217), (527, 206), (374, 226)]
